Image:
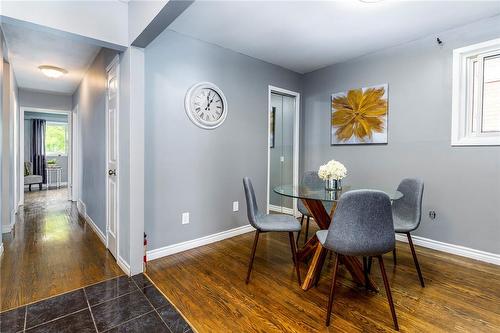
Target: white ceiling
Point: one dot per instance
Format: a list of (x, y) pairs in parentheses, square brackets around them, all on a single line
[(307, 35), (29, 49)]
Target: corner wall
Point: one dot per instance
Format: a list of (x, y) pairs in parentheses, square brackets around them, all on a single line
[(462, 184), (188, 169)]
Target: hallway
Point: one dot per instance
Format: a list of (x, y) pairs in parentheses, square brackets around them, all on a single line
[(50, 251)]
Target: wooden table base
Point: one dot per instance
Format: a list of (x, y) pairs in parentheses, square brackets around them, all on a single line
[(313, 247)]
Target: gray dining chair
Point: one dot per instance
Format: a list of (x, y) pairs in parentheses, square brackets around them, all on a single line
[(268, 223), (310, 178), (362, 226), (407, 213)]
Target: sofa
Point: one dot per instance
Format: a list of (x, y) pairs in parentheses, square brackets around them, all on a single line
[(30, 178)]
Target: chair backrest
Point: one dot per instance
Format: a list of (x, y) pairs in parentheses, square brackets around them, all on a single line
[(409, 207), (311, 178), (28, 168), (252, 208), (362, 224)]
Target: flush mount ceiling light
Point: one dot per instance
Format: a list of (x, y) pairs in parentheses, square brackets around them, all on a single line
[(52, 71), (371, 1)]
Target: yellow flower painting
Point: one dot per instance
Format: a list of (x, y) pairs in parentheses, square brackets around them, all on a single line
[(359, 116)]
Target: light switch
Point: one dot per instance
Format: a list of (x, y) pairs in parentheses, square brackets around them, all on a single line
[(236, 206), (185, 218), (282, 158)]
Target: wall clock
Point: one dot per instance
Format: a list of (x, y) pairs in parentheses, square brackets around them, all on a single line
[(206, 105)]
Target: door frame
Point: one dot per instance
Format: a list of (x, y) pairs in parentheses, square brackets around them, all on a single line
[(72, 167), (296, 141), (113, 63)]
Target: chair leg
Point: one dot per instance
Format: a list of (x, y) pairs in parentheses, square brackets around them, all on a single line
[(414, 254), (394, 257), (332, 289), (29, 187), (252, 255), (298, 234), (307, 230), (294, 256), (365, 270), (40, 186), (388, 292), (369, 267)]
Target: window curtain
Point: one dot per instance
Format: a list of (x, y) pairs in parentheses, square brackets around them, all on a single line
[(38, 148)]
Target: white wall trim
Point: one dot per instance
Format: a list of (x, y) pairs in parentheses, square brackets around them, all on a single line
[(123, 265), (296, 141), (82, 209), (459, 250), (1, 249), (280, 209), (6, 228), (191, 244)]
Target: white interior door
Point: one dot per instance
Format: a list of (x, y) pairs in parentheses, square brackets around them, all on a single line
[(112, 158)]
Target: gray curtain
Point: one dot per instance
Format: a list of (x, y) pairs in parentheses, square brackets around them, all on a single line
[(38, 148)]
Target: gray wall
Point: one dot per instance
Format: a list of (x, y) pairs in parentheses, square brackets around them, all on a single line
[(462, 184), (90, 97), (44, 100), (62, 161), (189, 169)]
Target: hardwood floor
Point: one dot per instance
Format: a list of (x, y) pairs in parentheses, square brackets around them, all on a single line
[(207, 285), (50, 251)]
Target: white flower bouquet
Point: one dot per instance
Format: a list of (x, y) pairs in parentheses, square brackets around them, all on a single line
[(332, 172)]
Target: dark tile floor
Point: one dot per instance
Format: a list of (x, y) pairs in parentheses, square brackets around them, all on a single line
[(122, 304)]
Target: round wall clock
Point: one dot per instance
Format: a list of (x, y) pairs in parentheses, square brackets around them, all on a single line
[(206, 105)]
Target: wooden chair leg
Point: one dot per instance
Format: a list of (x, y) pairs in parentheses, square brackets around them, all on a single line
[(307, 230), (294, 256), (332, 289), (252, 255), (394, 257), (414, 254), (298, 234), (365, 271), (388, 292)]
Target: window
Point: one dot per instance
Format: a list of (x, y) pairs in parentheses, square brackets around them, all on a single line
[(476, 95), (56, 139)]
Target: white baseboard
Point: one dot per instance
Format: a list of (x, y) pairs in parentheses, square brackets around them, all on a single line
[(191, 244), (123, 265), (280, 209), (459, 250), (82, 209), (6, 228), (1, 249)]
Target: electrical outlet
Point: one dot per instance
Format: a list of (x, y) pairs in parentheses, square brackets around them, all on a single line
[(432, 214), (236, 206), (185, 218)]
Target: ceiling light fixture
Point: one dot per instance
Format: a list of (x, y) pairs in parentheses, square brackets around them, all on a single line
[(52, 71), (371, 1)]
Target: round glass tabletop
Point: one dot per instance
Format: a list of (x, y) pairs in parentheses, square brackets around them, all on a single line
[(317, 192)]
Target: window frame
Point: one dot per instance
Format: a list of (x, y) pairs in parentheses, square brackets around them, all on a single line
[(462, 131), (66, 139)]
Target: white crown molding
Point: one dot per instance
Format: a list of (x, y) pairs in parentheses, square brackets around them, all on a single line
[(459, 250), (191, 244)]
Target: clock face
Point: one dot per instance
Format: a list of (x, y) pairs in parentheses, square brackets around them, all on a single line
[(206, 105)]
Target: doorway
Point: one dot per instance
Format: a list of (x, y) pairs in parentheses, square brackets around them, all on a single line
[(56, 158), (283, 147)]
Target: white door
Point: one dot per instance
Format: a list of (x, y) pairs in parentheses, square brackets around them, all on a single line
[(112, 157)]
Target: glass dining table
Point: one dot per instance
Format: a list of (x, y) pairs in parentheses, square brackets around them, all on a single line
[(313, 196)]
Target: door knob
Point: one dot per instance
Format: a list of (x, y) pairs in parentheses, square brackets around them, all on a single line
[(112, 172)]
